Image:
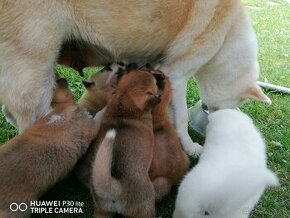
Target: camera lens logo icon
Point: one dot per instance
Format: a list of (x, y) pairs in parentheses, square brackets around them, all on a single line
[(18, 207)]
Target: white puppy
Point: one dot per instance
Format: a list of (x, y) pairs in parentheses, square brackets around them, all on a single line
[(231, 174)]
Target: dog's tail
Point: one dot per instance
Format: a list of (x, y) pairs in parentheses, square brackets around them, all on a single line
[(102, 181)]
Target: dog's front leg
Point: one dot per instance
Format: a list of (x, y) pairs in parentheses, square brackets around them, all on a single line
[(180, 115), (30, 40), (26, 90)]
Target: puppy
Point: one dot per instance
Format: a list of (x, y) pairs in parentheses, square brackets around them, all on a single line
[(99, 89), (35, 160), (231, 174), (213, 41), (120, 176), (170, 163)]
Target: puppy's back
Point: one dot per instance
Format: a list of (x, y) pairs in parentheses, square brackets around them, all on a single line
[(42, 155)]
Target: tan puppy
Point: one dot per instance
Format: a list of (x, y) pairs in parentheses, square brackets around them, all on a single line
[(99, 89), (120, 178), (42, 155), (170, 163), (212, 40)]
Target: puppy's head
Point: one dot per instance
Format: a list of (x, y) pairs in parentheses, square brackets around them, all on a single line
[(102, 80), (99, 88), (97, 83), (228, 125), (141, 88), (231, 122), (62, 93)]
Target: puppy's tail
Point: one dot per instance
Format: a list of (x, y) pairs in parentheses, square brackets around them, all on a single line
[(103, 183)]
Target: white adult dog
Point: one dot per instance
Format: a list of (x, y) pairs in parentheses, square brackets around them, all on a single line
[(231, 174), (210, 39)]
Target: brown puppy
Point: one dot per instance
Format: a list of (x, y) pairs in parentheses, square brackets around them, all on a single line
[(34, 161), (120, 178), (99, 90), (170, 163)]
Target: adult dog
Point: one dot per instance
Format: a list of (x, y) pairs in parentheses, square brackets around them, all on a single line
[(210, 39)]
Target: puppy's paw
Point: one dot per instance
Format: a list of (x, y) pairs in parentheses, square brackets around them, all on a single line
[(194, 149)]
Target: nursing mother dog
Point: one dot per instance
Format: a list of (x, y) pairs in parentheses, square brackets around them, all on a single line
[(210, 39)]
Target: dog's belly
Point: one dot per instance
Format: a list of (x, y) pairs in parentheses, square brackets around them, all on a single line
[(143, 30), (124, 30)]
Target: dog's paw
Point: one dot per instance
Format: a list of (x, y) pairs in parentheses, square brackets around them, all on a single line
[(194, 149)]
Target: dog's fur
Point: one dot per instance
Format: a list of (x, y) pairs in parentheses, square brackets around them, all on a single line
[(231, 174), (35, 160), (99, 89), (120, 176), (170, 163), (211, 39)]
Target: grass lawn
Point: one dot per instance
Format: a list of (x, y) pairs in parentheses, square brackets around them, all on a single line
[(272, 25)]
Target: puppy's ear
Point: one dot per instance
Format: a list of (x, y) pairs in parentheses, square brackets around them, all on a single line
[(62, 82), (88, 84), (160, 79), (146, 67), (256, 93), (132, 66)]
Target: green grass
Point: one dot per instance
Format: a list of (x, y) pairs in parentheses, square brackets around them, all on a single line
[(272, 25)]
